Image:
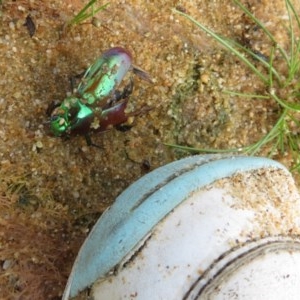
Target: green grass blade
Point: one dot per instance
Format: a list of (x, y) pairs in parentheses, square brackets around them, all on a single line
[(263, 27), (293, 106), (226, 44), (267, 64), (269, 137), (283, 137), (254, 96), (84, 15), (201, 150), (270, 70), (290, 6)]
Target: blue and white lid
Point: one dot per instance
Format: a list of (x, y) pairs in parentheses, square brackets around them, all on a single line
[(209, 227)]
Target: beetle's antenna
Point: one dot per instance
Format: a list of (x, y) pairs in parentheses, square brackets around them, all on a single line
[(141, 73)]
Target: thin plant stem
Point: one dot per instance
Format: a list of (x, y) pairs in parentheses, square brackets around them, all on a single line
[(266, 31), (280, 137), (227, 45), (84, 15)]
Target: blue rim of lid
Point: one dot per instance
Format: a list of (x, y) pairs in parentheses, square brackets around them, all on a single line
[(142, 205)]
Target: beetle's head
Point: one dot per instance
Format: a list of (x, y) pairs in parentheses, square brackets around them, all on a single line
[(71, 117), (62, 116), (59, 125)]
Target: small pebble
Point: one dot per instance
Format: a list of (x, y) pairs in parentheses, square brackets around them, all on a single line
[(7, 264), (204, 78)]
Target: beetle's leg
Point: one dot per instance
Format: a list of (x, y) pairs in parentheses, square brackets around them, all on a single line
[(123, 127), (75, 79), (52, 105), (127, 91), (90, 143), (141, 111), (124, 95), (117, 95)]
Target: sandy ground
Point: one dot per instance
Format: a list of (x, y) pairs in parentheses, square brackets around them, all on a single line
[(53, 190)]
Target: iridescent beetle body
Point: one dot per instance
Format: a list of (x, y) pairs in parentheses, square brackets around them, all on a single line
[(105, 75), (97, 105)]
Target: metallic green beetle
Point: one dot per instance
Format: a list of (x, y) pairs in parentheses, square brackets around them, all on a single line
[(98, 104)]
